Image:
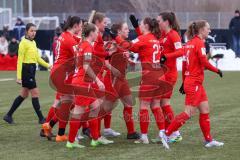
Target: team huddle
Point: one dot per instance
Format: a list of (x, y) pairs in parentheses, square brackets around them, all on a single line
[(89, 76)]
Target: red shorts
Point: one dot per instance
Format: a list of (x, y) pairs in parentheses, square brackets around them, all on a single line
[(155, 88), (172, 82), (195, 94), (116, 88)]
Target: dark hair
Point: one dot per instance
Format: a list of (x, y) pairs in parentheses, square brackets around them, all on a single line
[(153, 26), (117, 26), (87, 29), (237, 11), (98, 16), (71, 21), (194, 28), (172, 20), (29, 25)]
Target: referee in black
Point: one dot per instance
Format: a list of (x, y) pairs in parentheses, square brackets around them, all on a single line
[(28, 57)]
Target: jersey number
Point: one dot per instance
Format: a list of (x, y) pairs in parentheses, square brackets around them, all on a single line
[(155, 53)]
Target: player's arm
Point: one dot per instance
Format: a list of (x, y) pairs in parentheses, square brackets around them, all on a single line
[(201, 53), (133, 45), (21, 51), (178, 49), (135, 24), (114, 70)]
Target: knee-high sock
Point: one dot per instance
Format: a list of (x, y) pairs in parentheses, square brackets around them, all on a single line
[(144, 120), (36, 106), (159, 118), (51, 113), (169, 115), (177, 122), (94, 128), (107, 120), (128, 117), (16, 103), (204, 122), (73, 130)]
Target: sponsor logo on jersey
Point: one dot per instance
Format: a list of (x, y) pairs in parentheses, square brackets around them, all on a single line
[(178, 45)]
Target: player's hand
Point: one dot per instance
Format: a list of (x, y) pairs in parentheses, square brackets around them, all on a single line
[(111, 33), (100, 84), (220, 73), (50, 67), (163, 59), (134, 21), (19, 81), (181, 89)]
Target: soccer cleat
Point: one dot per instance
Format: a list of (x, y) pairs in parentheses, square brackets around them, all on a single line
[(110, 133), (62, 138), (47, 131), (104, 141), (164, 139), (95, 143), (134, 135), (213, 143), (142, 141), (74, 145), (86, 132), (8, 119)]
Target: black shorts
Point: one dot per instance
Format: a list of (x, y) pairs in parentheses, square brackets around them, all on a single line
[(28, 75)]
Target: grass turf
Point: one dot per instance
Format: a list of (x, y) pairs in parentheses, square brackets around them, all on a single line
[(22, 141)]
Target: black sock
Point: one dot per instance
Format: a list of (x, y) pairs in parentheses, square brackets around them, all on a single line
[(16, 103), (61, 131), (52, 123), (36, 106)]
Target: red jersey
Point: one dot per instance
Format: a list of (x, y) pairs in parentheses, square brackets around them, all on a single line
[(195, 61), (171, 47), (66, 46)]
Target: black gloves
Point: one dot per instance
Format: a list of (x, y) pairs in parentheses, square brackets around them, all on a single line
[(220, 73), (163, 59), (181, 89), (134, 21), (111, 33)]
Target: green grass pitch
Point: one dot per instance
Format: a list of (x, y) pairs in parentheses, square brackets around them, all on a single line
[(21, 140)]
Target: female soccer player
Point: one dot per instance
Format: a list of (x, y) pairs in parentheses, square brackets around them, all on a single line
[(61, 74), (147, 46), (85, 77), (120, 87), (171, 48), (28, 57), (195, 61)]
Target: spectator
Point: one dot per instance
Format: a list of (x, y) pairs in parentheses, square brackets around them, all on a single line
[(19, 29), (234, 26), (3, 46), (13, 47), (6, 32)]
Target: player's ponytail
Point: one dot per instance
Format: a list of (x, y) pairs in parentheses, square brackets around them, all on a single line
[(71, 21), (172, 20), (153, 26), (194, 27)]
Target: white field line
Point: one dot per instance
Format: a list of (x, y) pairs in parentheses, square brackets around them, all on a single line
[(6, 79)]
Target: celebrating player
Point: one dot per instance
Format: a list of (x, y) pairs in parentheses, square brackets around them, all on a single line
[(28, 56), (61, 73), (195, 61)]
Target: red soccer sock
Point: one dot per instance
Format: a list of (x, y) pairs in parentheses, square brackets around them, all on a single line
[(75, 124), (169, 115), (107, 120), (144, 120), (159, 118), (128, 117), (177, 122), (50, 115), (94, 128), (204, 122)]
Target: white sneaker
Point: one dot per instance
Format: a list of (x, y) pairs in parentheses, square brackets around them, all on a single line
[(104, 140), (142, 140), (110, 133), (214, 143), (164, 139)]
